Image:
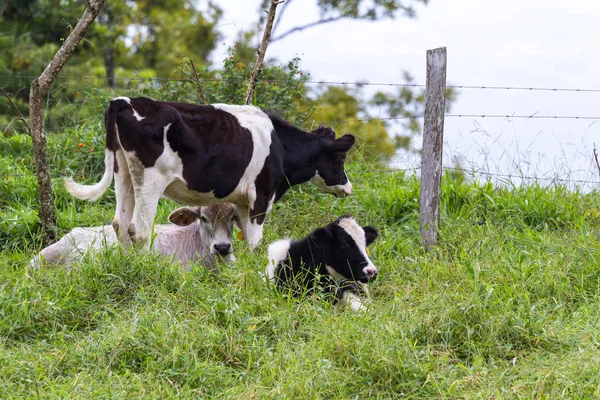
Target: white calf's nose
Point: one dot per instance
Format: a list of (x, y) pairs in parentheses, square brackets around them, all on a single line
[(371, 272)]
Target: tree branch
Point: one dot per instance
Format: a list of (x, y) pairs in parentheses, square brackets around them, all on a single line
[(4, 7), (280, 15), (198, 83), (596, 158), (47, 77), (262, 49), (310, 25), (20, 117), (39, 90)]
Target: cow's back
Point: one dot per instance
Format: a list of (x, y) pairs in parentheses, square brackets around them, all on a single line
[(213, 152)]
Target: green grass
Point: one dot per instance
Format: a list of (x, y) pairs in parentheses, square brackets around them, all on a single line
[(505, 307)]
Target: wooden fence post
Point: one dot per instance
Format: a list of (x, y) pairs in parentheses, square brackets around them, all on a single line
[(433, 140)]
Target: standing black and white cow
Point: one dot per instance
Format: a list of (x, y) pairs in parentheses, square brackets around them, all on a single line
[(334, 257), (199, 155)]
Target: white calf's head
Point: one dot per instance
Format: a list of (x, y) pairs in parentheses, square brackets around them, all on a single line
[(344, 250), (215, 225)]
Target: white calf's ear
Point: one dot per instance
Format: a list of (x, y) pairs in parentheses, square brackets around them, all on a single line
[(183, 216)]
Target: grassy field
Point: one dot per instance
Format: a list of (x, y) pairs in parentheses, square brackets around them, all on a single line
[(506, 306)]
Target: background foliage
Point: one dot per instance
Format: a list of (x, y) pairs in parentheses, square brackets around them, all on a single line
[(145, 47)]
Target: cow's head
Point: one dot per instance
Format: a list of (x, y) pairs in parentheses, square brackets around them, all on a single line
[(344, 247), (215, 226), (330, 175)]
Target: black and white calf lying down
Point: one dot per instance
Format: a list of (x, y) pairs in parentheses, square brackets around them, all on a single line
[(199, 233), (208, 154), (334, 257)]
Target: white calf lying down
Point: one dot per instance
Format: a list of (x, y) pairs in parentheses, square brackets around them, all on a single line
[(334, 257), (198, 233)]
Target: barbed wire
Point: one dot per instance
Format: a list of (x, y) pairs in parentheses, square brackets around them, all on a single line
[(536, 178), (505, 116), (465, 171), (346, 121), (321, 82)]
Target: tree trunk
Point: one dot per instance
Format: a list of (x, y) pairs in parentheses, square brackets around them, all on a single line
[(109, 64), (47, 214), (39, 90)]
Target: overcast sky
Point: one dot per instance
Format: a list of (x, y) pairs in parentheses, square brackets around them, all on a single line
[(526, 43)]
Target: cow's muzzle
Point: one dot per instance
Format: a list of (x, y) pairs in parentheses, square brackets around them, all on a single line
[(223, 249)]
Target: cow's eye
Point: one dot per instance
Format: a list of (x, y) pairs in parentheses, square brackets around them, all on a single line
[(203, 218)]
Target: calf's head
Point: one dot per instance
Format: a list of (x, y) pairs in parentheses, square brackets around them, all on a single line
[(330, 175), (343, 244), (215, 225)]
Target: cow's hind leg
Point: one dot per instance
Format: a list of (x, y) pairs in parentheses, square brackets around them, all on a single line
[(125, 199), (146, 197), (252, 222), (252, 230), (254, 218)]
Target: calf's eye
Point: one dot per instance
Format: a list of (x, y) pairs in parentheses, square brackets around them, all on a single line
[(203, 218)]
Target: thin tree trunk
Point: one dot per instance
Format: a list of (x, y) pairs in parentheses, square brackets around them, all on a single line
[(109, 64), (39, 90), (262, 50)]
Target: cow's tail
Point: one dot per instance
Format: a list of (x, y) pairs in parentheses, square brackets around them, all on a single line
[(94, 192)]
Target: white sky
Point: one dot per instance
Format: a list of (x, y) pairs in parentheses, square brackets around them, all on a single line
[(526, 43)]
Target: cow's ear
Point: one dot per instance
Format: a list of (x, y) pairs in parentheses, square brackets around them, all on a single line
[(344, 143), (370, 234), (184, 216), (325, 133), (321, 237), (236, 217)]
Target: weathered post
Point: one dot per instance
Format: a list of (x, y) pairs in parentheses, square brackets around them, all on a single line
[(433, 139)]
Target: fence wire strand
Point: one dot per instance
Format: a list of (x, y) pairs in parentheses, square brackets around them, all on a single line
[(465, 171), (398, 118), (321, 82)]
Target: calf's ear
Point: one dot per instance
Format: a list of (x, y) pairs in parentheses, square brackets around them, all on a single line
[(236, 217), (321, 237), (184, 216), (344, 143), (370, 234)]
